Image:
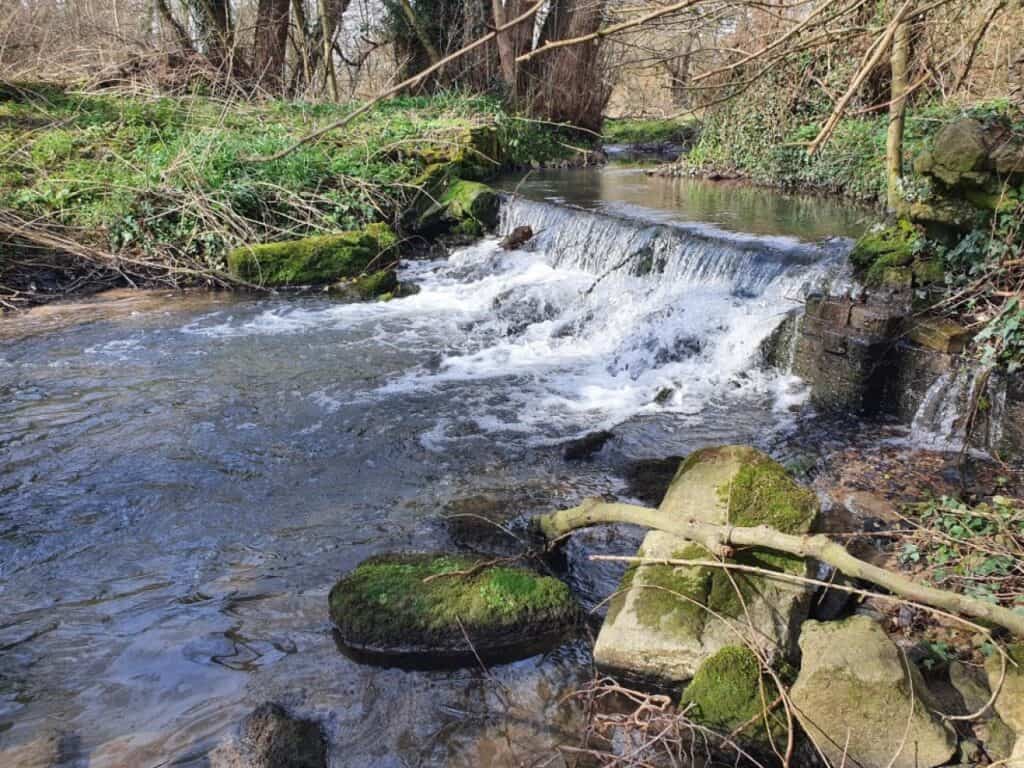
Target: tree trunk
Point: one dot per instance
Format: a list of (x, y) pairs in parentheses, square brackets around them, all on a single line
[(897, 113), (270, 41), (327, 41)]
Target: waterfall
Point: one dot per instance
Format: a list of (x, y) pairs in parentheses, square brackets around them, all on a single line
[(940, 422)]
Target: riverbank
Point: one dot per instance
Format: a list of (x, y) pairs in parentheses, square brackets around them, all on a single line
[(103, 189)]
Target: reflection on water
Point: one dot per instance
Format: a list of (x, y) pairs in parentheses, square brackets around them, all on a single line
[(732, 206), (183, 479)]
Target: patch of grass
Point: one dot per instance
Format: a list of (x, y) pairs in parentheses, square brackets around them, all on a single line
[(173, 177), (636, 131)]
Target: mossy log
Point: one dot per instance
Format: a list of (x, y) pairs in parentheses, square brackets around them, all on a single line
[(720, 540)]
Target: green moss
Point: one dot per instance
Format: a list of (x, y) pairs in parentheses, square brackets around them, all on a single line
[(633, 131), (730, 691), (313, 260), (385, 600), (377, 284), (763, 493), (895, 244), (674, 597), (472, 201)]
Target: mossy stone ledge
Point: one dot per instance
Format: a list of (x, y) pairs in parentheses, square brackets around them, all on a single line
[(440, 610), (667, 620), (315, 260)]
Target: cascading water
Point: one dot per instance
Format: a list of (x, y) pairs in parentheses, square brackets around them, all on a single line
[(603, 318), (941, 420)]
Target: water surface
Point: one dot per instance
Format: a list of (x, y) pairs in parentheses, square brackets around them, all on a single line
[(183, 479)]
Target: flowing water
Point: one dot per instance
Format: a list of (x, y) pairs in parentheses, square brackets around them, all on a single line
[(183, 479)]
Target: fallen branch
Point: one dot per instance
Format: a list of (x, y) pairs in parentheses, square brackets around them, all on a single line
[(720, 541)]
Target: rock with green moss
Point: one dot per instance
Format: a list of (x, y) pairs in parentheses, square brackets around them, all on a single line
[(450, 205), (315, 260), (731, 693), (438, 610), (959, 154), (1009, 704), (382, 284), (884, 248), (863, 702), (666, 620)]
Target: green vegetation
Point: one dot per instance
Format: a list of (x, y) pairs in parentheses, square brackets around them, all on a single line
[(638, 131), (397, 600), (314, 260), (977, 550), (730, 691), (770, 149), (162, 178), (883, 252)]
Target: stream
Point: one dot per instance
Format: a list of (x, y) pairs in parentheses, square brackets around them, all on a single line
[(184, 478)]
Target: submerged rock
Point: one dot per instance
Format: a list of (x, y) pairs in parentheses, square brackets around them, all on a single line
[(314, 260), (649, 479), (585, 447), (271, 738), (862, 702), (667, 620), (434, 610)]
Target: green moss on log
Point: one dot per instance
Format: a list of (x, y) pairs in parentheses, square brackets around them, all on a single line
[(420, 600), (314, 260)]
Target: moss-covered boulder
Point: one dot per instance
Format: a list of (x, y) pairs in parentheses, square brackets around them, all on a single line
[(667, 620), (730, 691), (419, 610), (863, 702), (959, 153), (884, 250), (451, 205), (315, 260)]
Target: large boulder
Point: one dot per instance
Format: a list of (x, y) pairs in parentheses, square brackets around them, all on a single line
[(1009, 704), (959, 153), (435, 610), (666, 620), (315, 260), (863, 702)]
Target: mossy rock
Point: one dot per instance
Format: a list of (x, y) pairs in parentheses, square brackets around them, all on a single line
[(730, 691), (666, 620), (451, 205), (863, 702), (958, 153), (314, 260), (382, 284), (884, 247), (418, 610)]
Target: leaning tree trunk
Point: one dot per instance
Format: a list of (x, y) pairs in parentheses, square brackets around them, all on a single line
[(270, 41), (897, 113)]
